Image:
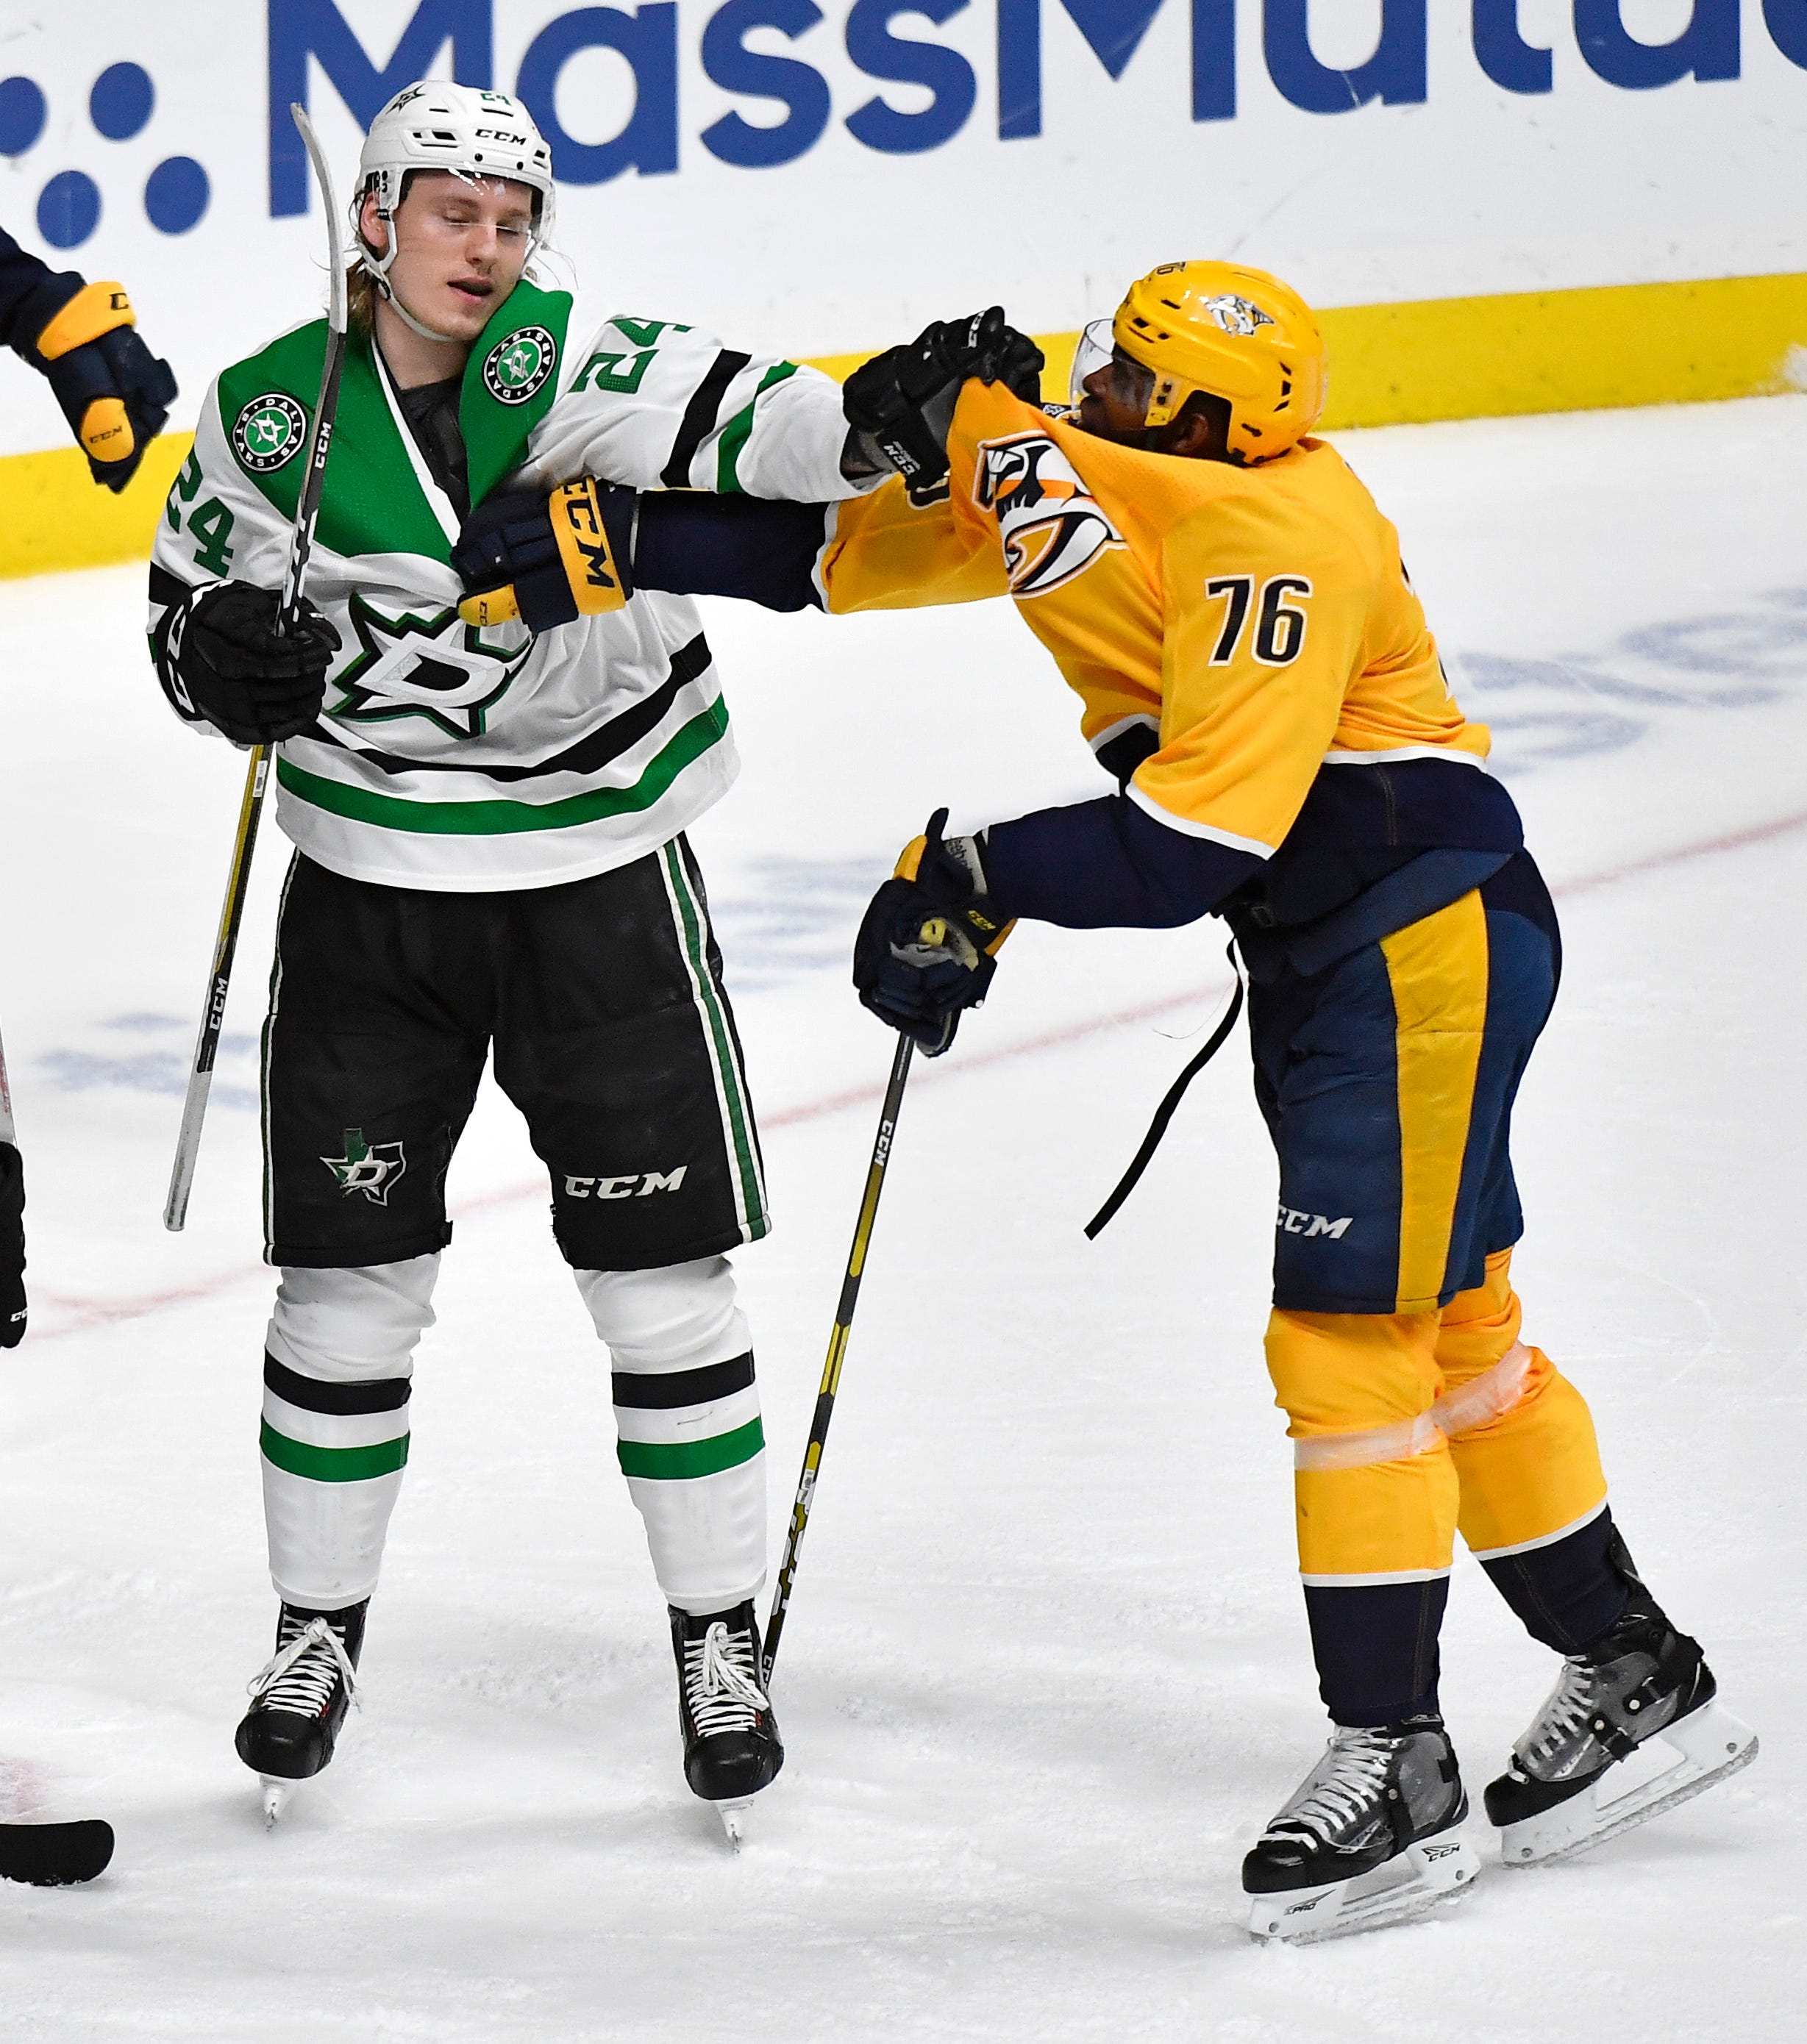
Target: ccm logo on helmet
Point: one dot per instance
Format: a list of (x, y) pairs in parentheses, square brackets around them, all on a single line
[(623, 1187)]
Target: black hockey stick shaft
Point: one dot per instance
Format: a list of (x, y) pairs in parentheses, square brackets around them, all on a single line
[(257, 771), (8, 1132), (837, 1348)]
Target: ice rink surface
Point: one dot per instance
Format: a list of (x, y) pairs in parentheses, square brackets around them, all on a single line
[(1046, 1674)]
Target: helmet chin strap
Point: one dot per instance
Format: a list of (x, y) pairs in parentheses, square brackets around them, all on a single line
[(377, 268)]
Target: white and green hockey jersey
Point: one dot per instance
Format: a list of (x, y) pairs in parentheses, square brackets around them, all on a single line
[(454, 757)]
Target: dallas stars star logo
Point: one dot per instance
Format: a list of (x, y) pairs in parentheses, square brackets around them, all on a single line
[(434, 666), (369, 1168)]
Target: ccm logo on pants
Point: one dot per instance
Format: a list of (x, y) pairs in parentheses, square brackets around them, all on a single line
[(624, 1188), (1292, 1222)]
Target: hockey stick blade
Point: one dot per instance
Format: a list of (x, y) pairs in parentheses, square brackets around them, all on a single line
[(56, 1855), (251, 808)]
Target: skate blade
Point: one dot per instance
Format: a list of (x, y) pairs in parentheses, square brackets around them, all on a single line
[(733, 1816), (1436, 1872), (1671, 1766), (275, 1791)]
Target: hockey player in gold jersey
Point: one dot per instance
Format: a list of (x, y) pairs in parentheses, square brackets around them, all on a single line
[(1229, 606)]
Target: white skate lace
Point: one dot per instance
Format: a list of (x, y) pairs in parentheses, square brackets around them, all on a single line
[(1359, 1761), (724, 1694), (300, 1673), (1565, 1713)]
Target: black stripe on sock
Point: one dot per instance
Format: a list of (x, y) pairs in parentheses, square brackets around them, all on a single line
[(649, 1392), (699, 416), (375, 1394)]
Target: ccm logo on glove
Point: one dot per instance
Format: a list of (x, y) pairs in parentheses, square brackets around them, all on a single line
[(547, 560), (114, 393)]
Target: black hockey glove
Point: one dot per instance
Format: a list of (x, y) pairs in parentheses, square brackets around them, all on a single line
[(901, 404), (115, 393), (12, 1247), (250, 681), (547, 560), (927, 943)]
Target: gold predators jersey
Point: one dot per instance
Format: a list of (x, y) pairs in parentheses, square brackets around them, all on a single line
[(1240, 634)]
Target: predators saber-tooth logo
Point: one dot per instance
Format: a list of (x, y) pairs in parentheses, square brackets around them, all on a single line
[(370, 1168), (1236, 315), (1052, 528)]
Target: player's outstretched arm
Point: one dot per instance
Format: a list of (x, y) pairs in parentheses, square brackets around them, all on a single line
[(662, 406), (114, 393), (589, 546)]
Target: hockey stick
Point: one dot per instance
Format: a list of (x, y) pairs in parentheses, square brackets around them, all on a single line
[(55, 1855), (8, 1133), (257, 773), (837, 1350)]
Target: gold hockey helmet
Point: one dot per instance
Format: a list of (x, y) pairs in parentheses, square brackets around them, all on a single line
[(1236, 334)]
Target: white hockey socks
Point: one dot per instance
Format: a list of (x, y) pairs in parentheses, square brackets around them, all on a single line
[(340, 1355), (687, 1411)]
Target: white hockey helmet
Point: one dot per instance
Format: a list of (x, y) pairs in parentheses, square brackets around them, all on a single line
[(437, 126)]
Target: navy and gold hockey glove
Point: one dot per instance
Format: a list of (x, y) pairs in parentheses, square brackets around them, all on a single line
[(547, 560), (927, 943), (901, 404), (12, 1247), (115, 393)]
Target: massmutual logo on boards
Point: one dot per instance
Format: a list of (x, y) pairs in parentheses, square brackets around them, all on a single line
[(517, 366), (337, 45), (311, 40), (268, 432)]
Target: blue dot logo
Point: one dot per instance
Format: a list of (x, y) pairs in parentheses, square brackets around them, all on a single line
[(121, 105), (68, 209), (176, 194), (23, 112)]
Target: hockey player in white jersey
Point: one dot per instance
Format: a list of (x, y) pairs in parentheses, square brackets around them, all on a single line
[(488, 820)]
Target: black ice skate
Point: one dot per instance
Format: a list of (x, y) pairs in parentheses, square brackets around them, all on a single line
[(1372, 1835), (299, 1698), (731, 1748), (1631, 1729)]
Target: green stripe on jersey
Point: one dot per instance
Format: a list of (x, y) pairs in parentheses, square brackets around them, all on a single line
[(497, 818), (669, 1462), (739, 1120), (372, 502), (739, 430), (332, 1464), (496, 433)]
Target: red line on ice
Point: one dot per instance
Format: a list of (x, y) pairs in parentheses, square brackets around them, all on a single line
[(86, 1313)]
